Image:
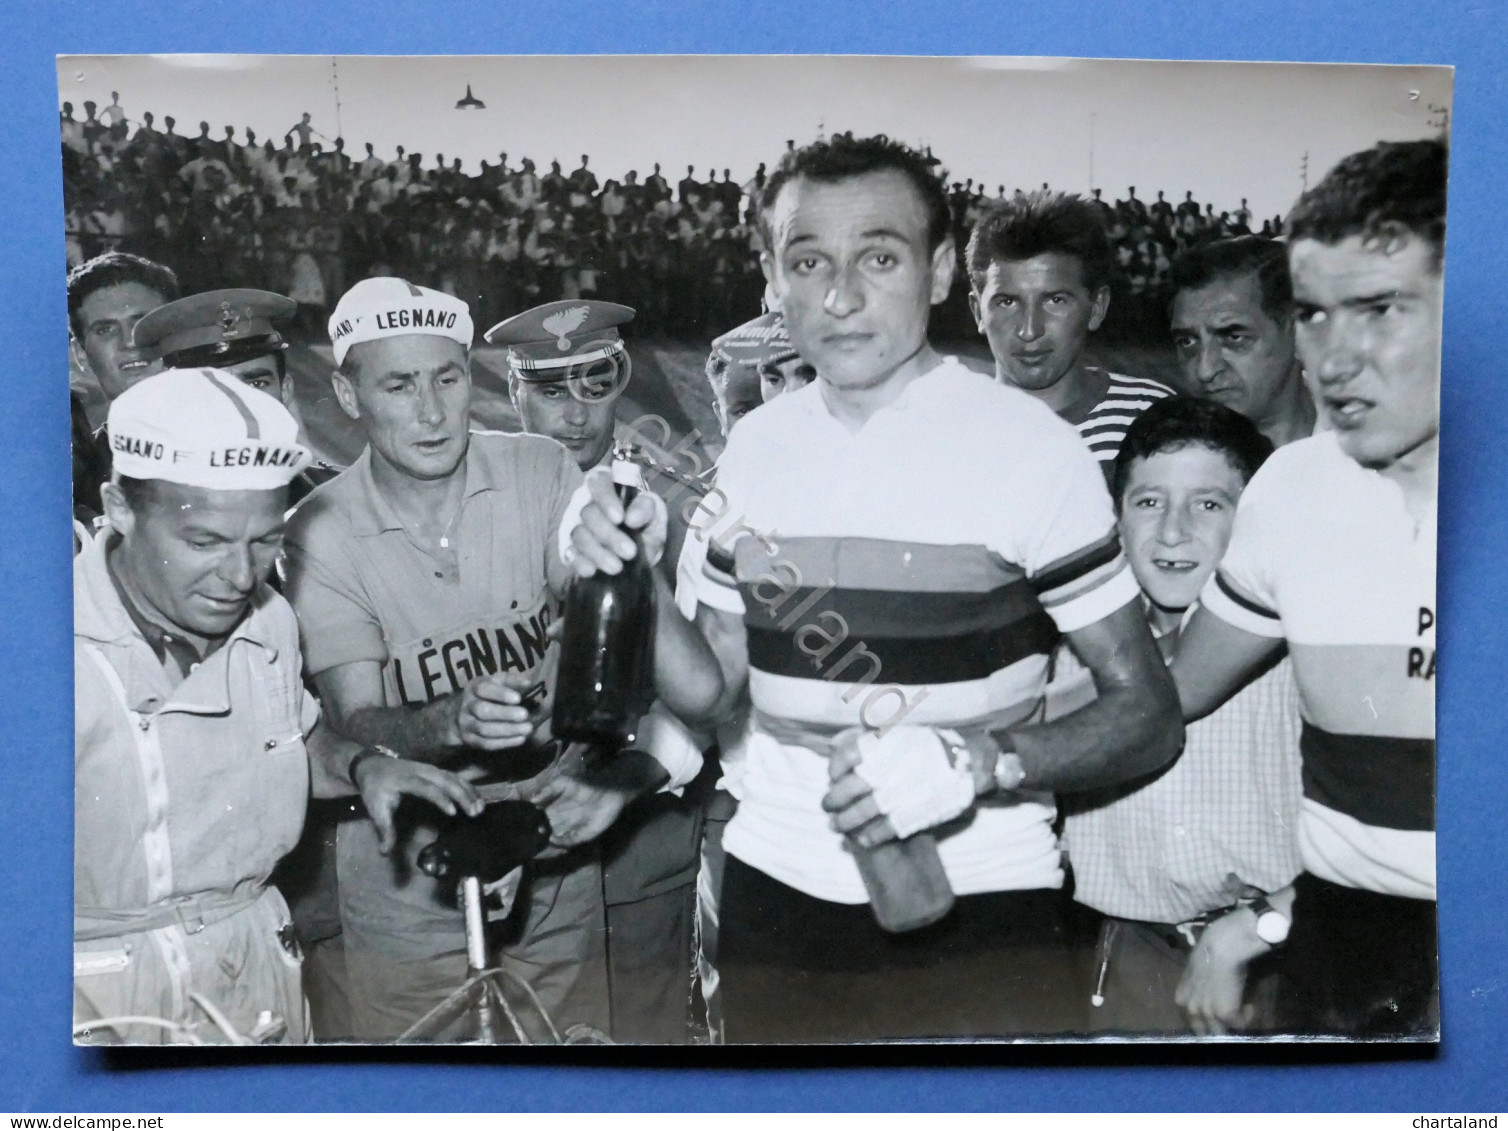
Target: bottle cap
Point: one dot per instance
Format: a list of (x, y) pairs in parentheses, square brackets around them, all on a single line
[(626, 473)]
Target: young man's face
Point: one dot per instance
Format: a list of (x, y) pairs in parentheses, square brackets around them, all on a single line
[(1038, 314), (736, 393), (1231, 350), (263, 373), (784, 377), (198, 555), (1175, 520), (852, 272), (107, 317), (547, 408), (1368, 332), (412, 393)]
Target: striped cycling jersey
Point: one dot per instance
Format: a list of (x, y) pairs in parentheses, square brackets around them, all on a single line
[(915, 572), (1326, 555), (1104, 426)]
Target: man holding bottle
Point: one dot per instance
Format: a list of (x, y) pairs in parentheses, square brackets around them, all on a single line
[(427, 578), (906, 539)]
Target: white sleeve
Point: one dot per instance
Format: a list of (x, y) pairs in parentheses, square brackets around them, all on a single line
[(673, 744), (1065, 535), (1242, 591)]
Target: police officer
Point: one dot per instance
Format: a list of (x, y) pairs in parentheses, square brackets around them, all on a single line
[(650, 855), (234, 330), (196, 745)]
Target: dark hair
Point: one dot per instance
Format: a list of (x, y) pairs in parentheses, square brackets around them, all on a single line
[(1236, 258), (843, 157), (1180, 422), (1378, 194), (111, 269), (1036, 224)]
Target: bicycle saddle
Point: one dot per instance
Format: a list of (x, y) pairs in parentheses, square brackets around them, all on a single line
[(489, 846)]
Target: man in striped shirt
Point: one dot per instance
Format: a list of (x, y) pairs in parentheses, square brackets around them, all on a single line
[(894, 550), (1039, 273), (1333, 552)]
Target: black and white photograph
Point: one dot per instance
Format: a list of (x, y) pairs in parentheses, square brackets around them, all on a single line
[(753, 550)]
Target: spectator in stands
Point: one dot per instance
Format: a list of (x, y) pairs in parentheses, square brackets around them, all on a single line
[(303, 129), (656, 184), (73, 130), (93, 127), (583, 180), (1233, 329)]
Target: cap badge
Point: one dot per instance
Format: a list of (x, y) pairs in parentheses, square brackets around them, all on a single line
[(564, 322), (229, 317)]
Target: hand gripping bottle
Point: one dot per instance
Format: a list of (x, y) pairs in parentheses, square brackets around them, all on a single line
[(606, 674), (908, 888)]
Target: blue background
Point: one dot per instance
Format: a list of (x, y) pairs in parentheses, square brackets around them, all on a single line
[(39, 1069)]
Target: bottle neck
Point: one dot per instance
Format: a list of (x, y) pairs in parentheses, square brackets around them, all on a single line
[(628, 481)]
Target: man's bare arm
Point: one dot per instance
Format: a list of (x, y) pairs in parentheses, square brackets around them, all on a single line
[(1215, 660), (1132, 728), (488, 715), (688, 674), (729, 642), (330, 758), (382, 782)]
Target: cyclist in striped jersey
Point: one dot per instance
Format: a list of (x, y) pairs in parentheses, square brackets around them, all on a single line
[(1333, 556)]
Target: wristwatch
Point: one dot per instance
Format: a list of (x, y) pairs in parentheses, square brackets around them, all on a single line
[(1008, 773), (1272, 925), (374, 751)]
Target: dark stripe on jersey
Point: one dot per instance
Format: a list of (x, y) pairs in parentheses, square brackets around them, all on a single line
[(1062, 572), (1115, 431), (1245, 602), (908, 660), (1123, 381), (888, 614), (1385, 782), (1100, 429)]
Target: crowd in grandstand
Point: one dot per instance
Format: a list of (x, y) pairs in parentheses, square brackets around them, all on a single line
[(302, 216)]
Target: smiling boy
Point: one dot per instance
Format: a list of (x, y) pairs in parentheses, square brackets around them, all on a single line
[(1171, 860)]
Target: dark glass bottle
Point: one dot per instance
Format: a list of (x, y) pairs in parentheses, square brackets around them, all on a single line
[(605, 681)]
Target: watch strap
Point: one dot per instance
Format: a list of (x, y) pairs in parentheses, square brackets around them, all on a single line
[(377, 750)]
